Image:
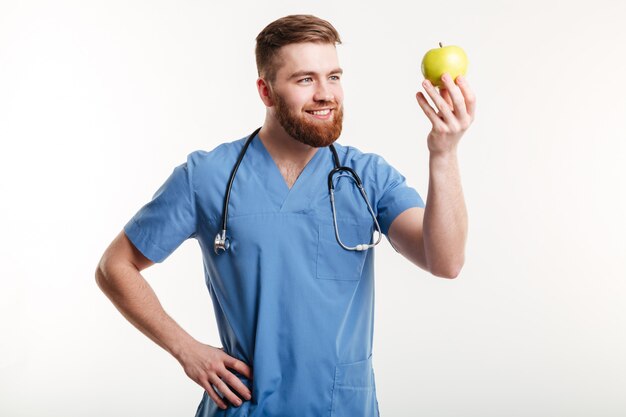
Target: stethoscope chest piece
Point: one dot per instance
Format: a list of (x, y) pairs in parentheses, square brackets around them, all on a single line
[(221, 243)]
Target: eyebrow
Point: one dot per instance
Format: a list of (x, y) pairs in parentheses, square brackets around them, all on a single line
[(303, 73)]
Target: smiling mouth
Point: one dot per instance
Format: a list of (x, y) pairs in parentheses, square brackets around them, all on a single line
[(320, 114)]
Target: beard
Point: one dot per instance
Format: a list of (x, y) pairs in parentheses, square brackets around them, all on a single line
[(319, 133)]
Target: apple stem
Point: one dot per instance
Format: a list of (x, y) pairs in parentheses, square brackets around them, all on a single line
[(440, 45)]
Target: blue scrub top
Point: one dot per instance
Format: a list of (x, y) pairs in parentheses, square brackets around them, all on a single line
[(289, 301)]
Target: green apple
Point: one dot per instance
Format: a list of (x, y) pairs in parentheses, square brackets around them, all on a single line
[(450, 59)]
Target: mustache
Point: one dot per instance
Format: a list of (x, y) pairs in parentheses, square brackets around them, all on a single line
[(324, 105)]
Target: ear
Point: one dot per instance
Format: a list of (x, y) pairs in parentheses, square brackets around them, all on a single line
[(265, 92)]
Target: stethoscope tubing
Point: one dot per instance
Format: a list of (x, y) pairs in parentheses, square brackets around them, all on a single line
[(222, 242)]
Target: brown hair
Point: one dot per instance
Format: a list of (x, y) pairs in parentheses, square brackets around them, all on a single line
[(290, 29)]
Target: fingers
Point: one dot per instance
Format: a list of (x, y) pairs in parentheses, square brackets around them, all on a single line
[(446, 96), (208, 366), (216, 398), (225, 390), (237, 385), (232, 380), (440, 103), (225, 381), (456, 96), (456, 103), (468, 96), (434, 118), (239, 366)]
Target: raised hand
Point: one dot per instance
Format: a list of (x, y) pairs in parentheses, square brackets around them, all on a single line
[(456, 105)]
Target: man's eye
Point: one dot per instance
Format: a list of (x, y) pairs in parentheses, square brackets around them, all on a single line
[(335, 77), (307, 78)]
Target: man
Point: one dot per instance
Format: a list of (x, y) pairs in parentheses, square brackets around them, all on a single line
[(294, 306)]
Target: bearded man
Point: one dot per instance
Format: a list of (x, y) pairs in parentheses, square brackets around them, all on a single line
[(287, 220)]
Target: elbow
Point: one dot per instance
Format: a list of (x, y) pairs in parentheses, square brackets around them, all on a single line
[(100, 276), (103, 275), (446, 274), (452, 274), (107, 279), (447, 271)]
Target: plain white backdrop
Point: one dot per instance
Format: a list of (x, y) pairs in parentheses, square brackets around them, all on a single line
[(100, 100)]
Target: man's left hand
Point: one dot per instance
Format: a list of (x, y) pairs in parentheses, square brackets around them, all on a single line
[(456, 104)]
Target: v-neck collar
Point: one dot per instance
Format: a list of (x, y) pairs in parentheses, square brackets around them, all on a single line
[(283, 197)]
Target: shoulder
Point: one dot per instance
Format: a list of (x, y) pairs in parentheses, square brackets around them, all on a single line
[(223, 154), (210, 167), (376, 173), (367, 162)]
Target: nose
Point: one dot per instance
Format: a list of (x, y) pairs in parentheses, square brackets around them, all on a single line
[(323, 93)]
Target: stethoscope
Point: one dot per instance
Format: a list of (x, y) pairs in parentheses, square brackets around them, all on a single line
[(222, 242)]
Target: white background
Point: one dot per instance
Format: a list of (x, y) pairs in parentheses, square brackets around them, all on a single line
[(100, 100)]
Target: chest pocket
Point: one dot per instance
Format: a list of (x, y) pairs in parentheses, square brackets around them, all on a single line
[(335, 262)]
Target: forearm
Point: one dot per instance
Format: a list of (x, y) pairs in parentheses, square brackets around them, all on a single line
[(131, 294), (445, 217)]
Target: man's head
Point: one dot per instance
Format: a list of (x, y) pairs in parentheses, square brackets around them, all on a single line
[(299, 74), (288, 30)]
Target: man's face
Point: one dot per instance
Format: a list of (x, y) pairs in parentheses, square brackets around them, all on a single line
[(307, 93)]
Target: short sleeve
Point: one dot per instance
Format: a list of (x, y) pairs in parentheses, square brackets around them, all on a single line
[(169, 219), (396, 196)]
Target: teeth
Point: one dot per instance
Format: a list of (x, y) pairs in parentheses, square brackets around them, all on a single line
[(321, 112)]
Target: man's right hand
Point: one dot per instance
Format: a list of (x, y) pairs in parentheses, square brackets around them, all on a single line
[(119, 276), (208, 367)]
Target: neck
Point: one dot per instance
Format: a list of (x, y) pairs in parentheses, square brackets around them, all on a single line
[(283, 148)]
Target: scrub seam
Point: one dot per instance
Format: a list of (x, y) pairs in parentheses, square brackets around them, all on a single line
[(143, 236)]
